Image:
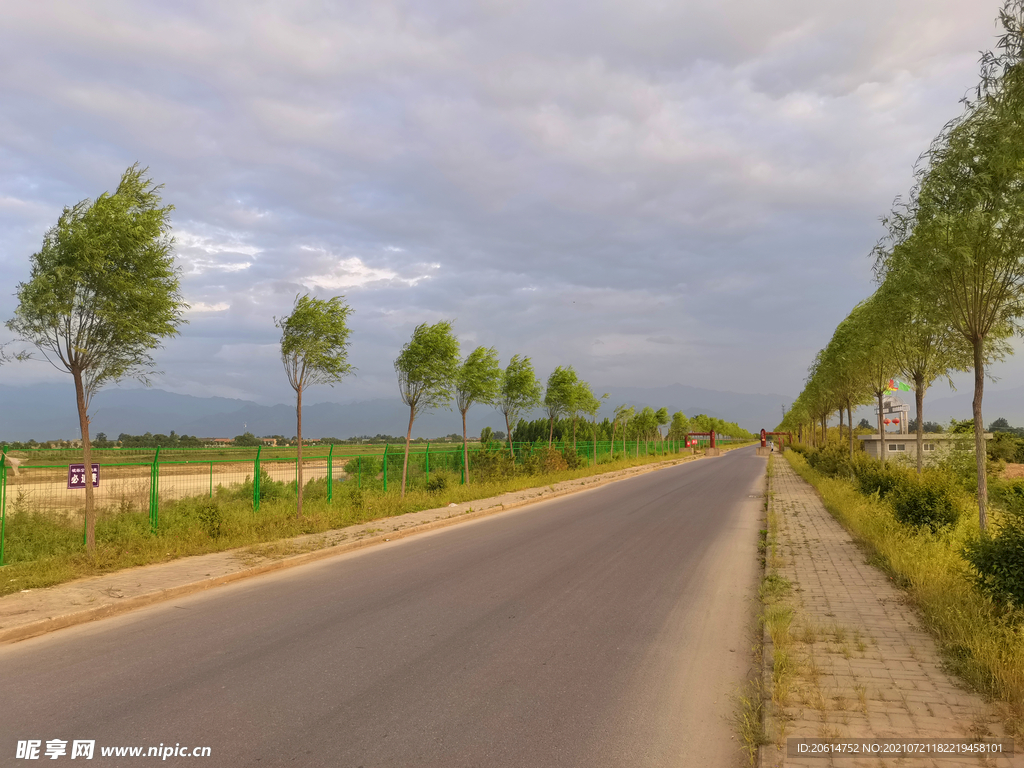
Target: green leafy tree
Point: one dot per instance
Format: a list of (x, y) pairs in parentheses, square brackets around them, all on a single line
[(485, 435), (558, 397), (427, 368), (969, 215), (247, 440), (589, 404), (662, 417), (314, 350), (478, 380), (102, 294), (520, 392), (621, 417), (679, 427), (581, 401)]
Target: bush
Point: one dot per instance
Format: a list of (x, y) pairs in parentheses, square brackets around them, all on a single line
[(833, 461), (998, 561), (574, 460), (210, 517), (550, 460), (364, 466), (924, 501), (492, 463), (1004, 447), (879, 477), (439, 481)]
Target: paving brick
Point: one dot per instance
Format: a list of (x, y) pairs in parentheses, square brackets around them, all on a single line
[(843, 598)]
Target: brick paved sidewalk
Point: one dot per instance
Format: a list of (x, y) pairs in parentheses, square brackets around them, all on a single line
[(865, 667)]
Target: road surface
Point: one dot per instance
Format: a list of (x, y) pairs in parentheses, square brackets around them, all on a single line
[(608, 628)]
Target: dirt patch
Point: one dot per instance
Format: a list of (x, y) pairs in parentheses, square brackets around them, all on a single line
[(1013, 472)]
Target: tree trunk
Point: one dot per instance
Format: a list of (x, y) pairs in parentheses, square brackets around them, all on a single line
[(979, 430), (881, 427), (840, 426), (919, 401), (298, 457), (508, 435), (849, 415), (408, 438), (613, 441), (465, 450), (90, 503), (574, 432), (551, 432), (595, 442)]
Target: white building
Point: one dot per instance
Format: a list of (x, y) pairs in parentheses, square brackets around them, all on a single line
[(935, 445)]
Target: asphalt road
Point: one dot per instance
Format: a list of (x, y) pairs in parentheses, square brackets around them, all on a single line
[(609, 628)]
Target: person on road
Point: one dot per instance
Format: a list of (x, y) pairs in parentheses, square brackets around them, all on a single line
[(771, 446)]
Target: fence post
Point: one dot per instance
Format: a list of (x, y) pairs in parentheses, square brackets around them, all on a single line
[(256, 480), (330, 474), (428, 463), (462, 463), (3, 499), (211, 479), (385, 467), (359, 471), (154, 491)]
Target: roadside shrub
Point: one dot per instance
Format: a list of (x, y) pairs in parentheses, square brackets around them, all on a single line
[(439, 481), (210, 518), (550, 460), (800, 448), (574, 460), (998, 560), (833, 461), (364, 466), (880, 477), (924, 501), (1003, 447), (493, 463)]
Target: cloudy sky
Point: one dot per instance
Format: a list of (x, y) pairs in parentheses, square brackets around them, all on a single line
[(652, 191)]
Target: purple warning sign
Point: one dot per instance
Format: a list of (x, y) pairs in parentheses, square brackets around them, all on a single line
[(76, 475)]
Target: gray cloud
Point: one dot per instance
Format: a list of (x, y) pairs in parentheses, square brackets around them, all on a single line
[(651, 192)]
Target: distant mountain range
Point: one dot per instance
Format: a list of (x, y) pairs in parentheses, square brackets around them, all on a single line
[(47, 412)]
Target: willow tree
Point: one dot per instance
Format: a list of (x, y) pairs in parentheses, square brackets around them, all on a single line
[(969, 215), (520, 392), (871, 340), (588, 404), (103, 292), (478, 380), (558, 396), (924, 346), (314, 350), (427, 369), (622, 415)]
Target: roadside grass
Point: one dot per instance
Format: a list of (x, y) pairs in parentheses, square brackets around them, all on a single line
[(45, 549), (982, 642), (774, 619)]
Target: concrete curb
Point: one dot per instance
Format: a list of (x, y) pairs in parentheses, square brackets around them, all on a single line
[(51, 624)]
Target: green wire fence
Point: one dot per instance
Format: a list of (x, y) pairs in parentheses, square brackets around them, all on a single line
[(141, 480)]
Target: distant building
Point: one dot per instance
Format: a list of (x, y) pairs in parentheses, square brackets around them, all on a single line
[(934, 447), (271, 441), (217, 440)]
